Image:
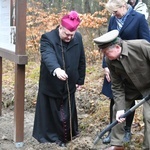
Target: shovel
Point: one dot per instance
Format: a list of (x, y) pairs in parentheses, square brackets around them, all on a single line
[(123, 116)]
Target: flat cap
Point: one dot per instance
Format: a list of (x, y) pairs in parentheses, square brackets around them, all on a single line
[(107, 39)]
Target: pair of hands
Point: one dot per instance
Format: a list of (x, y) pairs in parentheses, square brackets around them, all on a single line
[(61, 74), (120, 112)]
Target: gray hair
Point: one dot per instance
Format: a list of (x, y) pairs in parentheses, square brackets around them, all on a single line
[(118, 41)]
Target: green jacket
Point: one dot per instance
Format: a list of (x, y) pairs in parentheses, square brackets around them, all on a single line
[(130, 76)]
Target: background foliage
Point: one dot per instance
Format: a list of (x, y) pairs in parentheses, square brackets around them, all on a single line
[(43, 16)]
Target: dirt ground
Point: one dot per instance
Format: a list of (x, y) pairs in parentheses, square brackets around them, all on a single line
[(83, 142), (93, 114), (7, 132)]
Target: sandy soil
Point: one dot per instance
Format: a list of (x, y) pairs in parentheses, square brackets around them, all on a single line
[(83, 142), (93, 114)]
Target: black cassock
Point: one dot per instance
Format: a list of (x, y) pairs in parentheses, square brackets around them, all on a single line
[(52, 121), (52, 116)]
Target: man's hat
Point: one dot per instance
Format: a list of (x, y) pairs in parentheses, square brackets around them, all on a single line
[(107, 39), (70, 21)]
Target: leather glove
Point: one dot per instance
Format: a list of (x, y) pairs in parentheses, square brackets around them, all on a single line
[(60, 73)]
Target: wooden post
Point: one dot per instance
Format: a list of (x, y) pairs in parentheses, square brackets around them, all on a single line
[(19, 105), (20, 72)]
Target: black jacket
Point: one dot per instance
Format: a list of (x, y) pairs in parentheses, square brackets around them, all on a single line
[(51, 58)]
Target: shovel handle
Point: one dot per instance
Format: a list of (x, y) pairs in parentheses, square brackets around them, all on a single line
[(123, 116)]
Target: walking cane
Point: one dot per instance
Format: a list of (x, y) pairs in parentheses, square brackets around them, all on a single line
[(123, 116)]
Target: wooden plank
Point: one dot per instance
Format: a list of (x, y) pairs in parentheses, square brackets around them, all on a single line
[(18, 59)]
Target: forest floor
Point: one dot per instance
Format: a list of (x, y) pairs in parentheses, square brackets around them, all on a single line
[(93, 113)]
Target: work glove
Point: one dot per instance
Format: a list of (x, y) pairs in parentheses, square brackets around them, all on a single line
[(61, 74)]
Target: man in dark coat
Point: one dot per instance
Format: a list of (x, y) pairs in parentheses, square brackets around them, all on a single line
[(129, 63), (62, 72)]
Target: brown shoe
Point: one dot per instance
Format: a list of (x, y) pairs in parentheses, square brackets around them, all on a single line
[(115, 148)]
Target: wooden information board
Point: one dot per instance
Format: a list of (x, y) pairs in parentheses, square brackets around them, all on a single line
[(12, 47)]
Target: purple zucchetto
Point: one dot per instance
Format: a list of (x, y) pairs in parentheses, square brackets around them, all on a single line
[(71, 21)]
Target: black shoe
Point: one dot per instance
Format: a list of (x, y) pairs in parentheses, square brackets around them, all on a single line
[(107, 139), (127, 136), (61, 144)]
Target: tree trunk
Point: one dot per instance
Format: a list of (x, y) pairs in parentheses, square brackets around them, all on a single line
[(87, 8)]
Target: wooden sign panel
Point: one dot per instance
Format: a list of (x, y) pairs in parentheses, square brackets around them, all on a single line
[(7, 25), (13, 28)]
